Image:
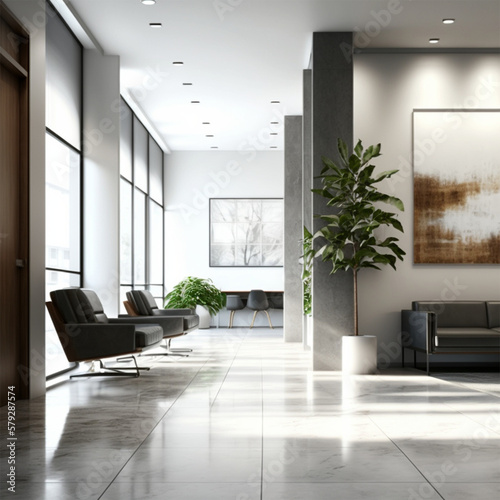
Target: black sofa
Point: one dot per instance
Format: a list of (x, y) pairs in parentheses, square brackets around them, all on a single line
[(451, 327)]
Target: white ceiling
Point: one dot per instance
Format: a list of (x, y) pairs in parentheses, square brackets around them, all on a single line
[(241, 54)]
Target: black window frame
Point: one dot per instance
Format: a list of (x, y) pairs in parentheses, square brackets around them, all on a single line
[(127, 113)]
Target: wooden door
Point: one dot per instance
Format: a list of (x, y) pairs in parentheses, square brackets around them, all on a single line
[(14, 232)]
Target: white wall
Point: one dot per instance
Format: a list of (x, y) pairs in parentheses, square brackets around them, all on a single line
[(387, 87), (101, 150), (191, 179)]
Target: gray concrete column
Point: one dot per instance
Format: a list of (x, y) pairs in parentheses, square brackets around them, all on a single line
[(332, 118), (292, 319), (306, 174)]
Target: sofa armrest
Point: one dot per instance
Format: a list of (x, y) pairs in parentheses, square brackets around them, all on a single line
[(87, 341), (173, 326), (173, 312), (418, 330)]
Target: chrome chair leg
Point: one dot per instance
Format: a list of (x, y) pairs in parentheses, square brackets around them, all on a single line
[(177, 349)]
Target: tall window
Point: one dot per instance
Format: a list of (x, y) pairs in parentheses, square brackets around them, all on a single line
[(63, 172), (141, 208)]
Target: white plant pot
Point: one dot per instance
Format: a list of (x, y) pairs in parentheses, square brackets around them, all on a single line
[(359, 355), (309, 327), (205, 318)]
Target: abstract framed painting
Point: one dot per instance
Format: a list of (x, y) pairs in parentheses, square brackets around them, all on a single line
[(456, 186), (246, 232)]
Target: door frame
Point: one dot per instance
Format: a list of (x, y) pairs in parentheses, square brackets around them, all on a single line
[(14, 57)]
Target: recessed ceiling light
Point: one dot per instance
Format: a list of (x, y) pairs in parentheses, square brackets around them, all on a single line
[(274, 133), (187, 83), (275, 102), (275, 123), (148, 2), (177, 63), (448, 21), (155, 25), (433, 40), (273, 147), (214, 147), (205, 123), (209, 135), (195, 102)]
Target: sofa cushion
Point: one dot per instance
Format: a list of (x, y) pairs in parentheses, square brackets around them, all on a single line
[(73, 305), (190, 321), (143, 302), (456, 314), (467, 337), (146, 335), (97, 308)]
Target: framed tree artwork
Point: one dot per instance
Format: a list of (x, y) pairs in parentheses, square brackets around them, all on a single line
[(456, 186), (246, 232)]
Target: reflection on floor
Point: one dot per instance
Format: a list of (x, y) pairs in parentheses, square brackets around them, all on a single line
[(245, 418), (488, 382)]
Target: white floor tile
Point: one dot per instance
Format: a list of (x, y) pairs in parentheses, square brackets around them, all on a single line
[(347, 491), (185, 491), (196, 465), (468, 491), (368, 463)]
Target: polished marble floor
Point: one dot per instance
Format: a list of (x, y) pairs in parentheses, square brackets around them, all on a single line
[(244, 418)]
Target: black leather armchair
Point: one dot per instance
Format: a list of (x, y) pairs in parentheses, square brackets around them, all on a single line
[(87, 334), (141, 304)]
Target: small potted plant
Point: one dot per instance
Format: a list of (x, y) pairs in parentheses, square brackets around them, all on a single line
[(197, 293), (350, 240), (307, 262)]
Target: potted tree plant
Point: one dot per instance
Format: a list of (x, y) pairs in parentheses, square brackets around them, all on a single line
[(197, 293), (351, 239)]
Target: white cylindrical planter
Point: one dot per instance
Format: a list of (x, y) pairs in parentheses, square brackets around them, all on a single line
[(310, 336), (359, 355), (205, 318)]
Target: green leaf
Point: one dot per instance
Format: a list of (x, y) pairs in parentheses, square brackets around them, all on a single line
[(371, 152), (371, 265), (328, 165), (331, 219), (354, 163), (396, 202), (385, 175), (358, 149), (397, 225), (387, 241), (342, 147), (366, 173)]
